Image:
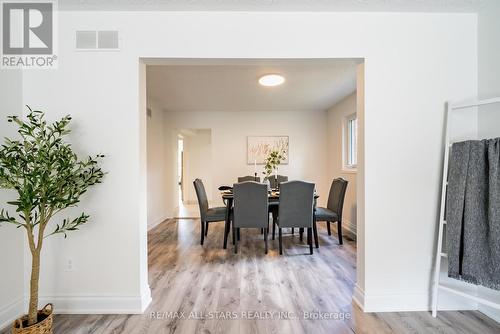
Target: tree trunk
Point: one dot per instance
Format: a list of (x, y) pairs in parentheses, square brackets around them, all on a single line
[(35, 274)]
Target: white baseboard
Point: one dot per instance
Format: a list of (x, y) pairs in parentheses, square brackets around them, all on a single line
[(157, 221), (11, 312), (407, 302), (448, 301), (396, 302), (358, 297), (80, 305), (493, 296), (490, 312), (146, 298), (350, 228), (97, 304), (410, 302)]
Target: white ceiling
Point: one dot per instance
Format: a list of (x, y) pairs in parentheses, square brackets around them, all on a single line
[(278, 5), (310, 85)]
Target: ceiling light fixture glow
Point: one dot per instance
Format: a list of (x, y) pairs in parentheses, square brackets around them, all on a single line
[(270, 80)]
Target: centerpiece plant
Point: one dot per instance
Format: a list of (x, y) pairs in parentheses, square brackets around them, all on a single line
[(272, 161), (46, 176)]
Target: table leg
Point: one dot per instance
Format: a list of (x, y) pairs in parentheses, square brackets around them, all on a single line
[(315, 231), (309, 240), (235, 242), (227, 225)]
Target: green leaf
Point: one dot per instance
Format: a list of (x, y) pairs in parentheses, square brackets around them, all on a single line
[(44, 172)]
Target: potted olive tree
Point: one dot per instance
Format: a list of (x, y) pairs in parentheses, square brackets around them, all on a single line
[(47, 177)]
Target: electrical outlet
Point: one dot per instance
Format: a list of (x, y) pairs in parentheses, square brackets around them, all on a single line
[(70, 265)]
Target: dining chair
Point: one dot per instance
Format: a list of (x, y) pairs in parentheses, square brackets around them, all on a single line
[(250, 209), (207, 214), (248, 178), (333, 211), (276, 180), (296, 209)]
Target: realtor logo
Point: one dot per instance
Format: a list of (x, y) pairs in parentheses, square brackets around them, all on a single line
[(28, 34)]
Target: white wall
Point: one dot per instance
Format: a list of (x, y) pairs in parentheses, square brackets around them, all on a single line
[(157, 160), (336, 120), (489, 49), (108, 107), (489, 86), (489, 66), (414, 63), (229, 131), (12, 244), (197, 162), (359, 294)]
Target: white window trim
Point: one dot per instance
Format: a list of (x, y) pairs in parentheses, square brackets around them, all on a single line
[(346, 168)]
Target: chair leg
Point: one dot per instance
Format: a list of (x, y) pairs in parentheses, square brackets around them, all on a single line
[(274, 228), (202, 232), (226, 232), (301, 234), (280, 237), (265, 239), (234, 234), (235, 240), (292, 230), (238, 234), (206, 228), (309, 240), (339, 231), (328, 228), (275, 219), (315, 231)]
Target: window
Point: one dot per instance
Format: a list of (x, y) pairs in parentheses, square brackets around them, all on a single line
[(350, 142)]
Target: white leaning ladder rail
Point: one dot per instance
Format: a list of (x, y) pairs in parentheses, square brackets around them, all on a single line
[(439, 249)]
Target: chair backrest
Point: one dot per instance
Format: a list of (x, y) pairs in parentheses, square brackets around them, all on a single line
[(280, 179), (337, 196), (296, 204), (202, 197), (250, 205), (248, 178)]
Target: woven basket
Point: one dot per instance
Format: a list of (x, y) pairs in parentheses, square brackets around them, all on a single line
[(43, 326)]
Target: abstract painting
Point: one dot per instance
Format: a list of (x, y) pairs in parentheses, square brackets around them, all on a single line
[(258, 148)]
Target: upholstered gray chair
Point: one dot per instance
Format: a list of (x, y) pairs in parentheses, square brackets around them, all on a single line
[(296, 209), (274, 181), (333, 211), (208, 215), (248, 178), (250, 209)]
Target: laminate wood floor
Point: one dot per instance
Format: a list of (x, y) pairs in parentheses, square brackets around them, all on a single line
[(207, 289)]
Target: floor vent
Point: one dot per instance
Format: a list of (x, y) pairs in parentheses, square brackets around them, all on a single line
[(97, 40)]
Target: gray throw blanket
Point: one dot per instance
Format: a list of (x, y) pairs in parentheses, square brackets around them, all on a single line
[(473, 212)]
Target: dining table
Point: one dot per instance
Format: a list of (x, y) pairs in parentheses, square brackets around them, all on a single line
[(228, 198)]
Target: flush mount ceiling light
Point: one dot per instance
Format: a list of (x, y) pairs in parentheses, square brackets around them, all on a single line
[(270, 80)]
